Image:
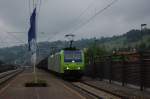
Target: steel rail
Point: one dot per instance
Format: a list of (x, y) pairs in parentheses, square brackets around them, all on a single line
[(9, 74), (84, 86)]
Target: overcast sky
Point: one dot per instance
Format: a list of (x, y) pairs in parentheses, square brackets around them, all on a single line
[(59, 17)]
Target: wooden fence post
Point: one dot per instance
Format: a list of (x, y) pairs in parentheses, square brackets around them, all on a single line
[(110, 69), (141, 72)]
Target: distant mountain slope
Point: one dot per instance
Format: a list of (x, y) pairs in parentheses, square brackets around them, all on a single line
[(131, 39)]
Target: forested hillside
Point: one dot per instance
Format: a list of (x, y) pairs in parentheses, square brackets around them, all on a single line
[(132, 39)]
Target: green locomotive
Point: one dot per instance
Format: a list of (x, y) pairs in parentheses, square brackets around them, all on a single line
[(67, 62)]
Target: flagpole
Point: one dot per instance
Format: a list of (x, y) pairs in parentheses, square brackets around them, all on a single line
[(35, 73), (34, 54), (33, 4), (32, 39)]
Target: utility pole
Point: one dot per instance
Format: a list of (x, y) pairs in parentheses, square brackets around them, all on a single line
[(143, 27), (94, 58)]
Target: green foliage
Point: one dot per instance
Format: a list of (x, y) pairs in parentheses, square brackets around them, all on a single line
[(133, 35), (95, 51), (143, 46), (129, 40), (136, 35)]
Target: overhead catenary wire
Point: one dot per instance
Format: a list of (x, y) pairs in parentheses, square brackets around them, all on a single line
[(84, 11), (92, 17), (38, 6), (78, 17), (19, 41), (24, 55), (2, 42), (15, 42), (39, 3), (12, 33)]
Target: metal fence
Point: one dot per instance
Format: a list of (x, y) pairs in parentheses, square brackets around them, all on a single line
[(132, 68)]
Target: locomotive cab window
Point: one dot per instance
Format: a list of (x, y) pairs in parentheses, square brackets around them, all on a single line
[(70, 56)]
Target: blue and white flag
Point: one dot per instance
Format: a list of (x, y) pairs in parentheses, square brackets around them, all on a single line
[(32, 32), (32, 37)]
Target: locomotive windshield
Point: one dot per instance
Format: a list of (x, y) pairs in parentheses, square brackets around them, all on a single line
[(72, 56)]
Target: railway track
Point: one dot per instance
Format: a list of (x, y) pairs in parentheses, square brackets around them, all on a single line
[(8, 75), (95, 91)]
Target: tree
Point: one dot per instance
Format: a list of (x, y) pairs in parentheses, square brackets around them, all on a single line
[(142, 46), (94, 51)]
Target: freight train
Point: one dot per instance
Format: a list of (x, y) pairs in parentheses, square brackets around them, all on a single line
[(67, 63)]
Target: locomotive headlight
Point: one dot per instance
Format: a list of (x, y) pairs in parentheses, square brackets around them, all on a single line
[(67, 68), (73, 61), (78, 67)]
